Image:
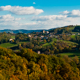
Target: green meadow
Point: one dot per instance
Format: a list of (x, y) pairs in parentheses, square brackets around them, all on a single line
[(70, 42), (71, 28), (8, 45), (72, 54), (13, 37), (73, 36), (46, 44)]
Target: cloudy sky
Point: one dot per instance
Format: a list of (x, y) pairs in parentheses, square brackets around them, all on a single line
[(38, 14)]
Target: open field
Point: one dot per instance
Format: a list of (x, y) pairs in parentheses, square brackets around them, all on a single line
[(72, 54), (13, 37), (73, 36), (8, 45), (71, 28), (70, 42), (54, 39)]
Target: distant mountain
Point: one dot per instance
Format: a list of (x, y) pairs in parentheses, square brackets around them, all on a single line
[(20, 31), (58, 29)]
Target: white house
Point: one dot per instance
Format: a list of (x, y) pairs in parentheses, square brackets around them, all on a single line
[(42, 37), (11, 40), (43, 31), (38, 52), (47, 32), (29, 35), (78, 33)]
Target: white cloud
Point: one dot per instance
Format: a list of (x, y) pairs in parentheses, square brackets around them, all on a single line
[(21, 10), (40, 22), (50, 17), (65, 15), (8, 17), (53, 21), (65, 12), (34, 3), (73, 13), (57, 23), (48, 24)]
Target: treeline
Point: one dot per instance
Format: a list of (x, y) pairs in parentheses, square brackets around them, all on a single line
[(4, 37), (20, 37), (28, 65), (62, 30), (77, 29), (54, 48), (76, 39)]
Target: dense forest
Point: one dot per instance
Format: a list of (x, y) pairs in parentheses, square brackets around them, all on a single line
[(28, 65)]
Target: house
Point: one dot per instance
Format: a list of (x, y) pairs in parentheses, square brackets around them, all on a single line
[(29, 35), (73, 34), (67, 34), (43, 31), (56, 36), (78, 33), (47, 32), (38, 52), (42, 37), (50, 35), (10, 40), (45, 37), (35, 37)]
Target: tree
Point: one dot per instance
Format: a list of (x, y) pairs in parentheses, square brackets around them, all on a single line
[(56, 51), (2, 77), (76, 59), (44, 40), (20, 47)]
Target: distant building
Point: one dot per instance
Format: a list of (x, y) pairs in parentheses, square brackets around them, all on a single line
[(50, 35), (78, 33), (43, 31), (47, 32), (42, 37), (11, 40), (35, 37), (29, 35), (73, 34), (45, 37), (68, 34), (38, 52), (56, 36)]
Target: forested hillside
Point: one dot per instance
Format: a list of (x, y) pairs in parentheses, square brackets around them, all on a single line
[(28, 65)]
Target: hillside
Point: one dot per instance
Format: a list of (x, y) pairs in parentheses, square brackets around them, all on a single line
[(28, 65), (60, 30)]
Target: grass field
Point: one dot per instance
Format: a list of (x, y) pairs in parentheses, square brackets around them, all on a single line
[(13, 37), (71, 28), (8, 45), (54, 39), (73, 36), (72, 54), (69, 42)]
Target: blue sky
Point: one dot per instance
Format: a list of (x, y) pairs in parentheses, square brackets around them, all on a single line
[(38, 14)]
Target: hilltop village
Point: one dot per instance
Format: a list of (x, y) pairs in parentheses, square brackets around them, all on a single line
[(53, 41)]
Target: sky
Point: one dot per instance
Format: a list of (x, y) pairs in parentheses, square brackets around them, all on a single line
[(38, 14)]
